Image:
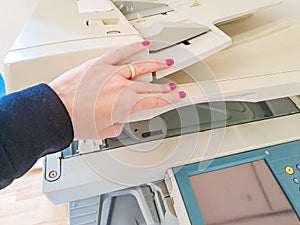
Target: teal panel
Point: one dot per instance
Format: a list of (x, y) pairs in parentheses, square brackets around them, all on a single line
[(2, 86), (277, 158)]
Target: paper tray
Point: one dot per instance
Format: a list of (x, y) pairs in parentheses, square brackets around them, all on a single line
[(263, 66)]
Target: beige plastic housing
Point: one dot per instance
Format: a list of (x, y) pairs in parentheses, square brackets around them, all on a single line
[(61, 35), (106, 171), (261, 64), (100, 172)]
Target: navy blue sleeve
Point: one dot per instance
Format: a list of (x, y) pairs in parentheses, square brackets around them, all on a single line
[(33, 123)]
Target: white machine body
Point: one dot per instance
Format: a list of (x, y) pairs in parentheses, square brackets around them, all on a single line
[(225, 51)]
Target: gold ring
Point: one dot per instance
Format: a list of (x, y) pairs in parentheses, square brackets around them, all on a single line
[(131, 67)]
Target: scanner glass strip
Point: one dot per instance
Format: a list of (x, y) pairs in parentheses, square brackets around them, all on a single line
[(195, 118), (209, 116)]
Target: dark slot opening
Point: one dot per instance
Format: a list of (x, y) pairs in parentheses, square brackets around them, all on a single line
[(152, 133)]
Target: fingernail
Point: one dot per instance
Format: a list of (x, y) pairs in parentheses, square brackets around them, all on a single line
[(182, 94), (169, 62), (172, 86), (146, 43)]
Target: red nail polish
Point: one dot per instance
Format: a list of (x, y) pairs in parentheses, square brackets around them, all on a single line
[(146, 43), (169, 62), (182, 94), (172, 86)]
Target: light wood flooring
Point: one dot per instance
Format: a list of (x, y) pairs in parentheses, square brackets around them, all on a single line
[(23, 203)]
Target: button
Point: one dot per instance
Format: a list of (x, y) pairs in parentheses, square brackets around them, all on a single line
[(296, 180), (289, 170), (298, 167)]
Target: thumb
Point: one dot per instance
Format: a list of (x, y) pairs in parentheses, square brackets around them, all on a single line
[(112, 131)]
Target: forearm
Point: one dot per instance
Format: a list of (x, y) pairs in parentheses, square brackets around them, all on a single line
[(33, 123)]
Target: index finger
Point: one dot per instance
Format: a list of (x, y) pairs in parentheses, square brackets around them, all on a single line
[(119, 54)]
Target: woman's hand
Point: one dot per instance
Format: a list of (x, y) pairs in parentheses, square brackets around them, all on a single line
[(99, 93)]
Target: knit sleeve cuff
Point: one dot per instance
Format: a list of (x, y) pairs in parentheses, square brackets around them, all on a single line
[(33, 123)]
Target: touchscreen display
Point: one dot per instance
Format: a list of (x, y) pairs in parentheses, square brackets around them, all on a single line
[(247, 194)]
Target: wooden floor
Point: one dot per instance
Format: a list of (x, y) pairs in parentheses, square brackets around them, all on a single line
[(23, 202)]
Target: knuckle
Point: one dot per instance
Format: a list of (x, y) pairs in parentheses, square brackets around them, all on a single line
[(118, 130), (160, 102)]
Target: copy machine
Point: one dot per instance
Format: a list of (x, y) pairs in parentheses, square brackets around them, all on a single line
[(228, 154)]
